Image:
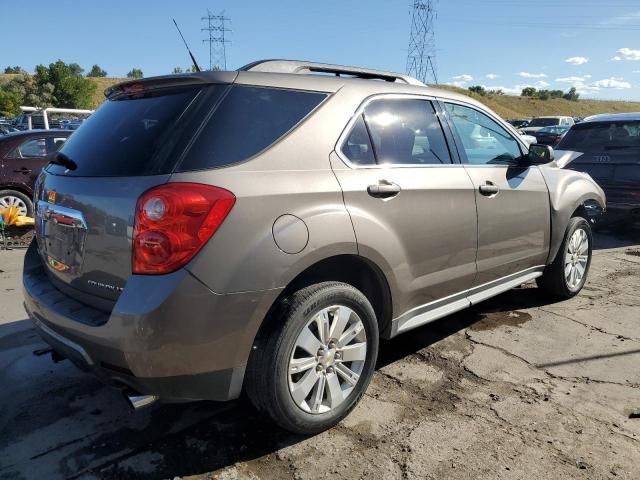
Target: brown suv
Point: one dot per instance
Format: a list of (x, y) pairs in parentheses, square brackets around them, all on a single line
[(261, 229), (22, 156)]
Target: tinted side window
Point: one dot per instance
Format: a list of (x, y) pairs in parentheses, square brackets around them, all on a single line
[(357, 148), (483, 139), (248, 120), (34, 148), (406, 131)]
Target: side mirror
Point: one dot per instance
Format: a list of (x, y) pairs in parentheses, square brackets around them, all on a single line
[(540, 154)]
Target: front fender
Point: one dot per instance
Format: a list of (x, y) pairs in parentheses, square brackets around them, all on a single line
[(568, 191)]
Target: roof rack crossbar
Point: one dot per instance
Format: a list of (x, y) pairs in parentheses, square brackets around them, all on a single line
[(302, 67)]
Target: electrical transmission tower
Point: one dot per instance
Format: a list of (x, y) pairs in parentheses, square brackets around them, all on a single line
[(216, 30), (422, 44)]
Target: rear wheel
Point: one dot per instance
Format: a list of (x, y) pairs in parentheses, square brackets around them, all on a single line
[(315, 359), (566, 276), (13, 198)]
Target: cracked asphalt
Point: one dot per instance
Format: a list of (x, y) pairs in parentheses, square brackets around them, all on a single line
[(514, 388)]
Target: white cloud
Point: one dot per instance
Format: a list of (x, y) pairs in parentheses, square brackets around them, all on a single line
[(576, 60), (541, 84), (613, 82), (462, 78), (636, 71), (626, 54), (573, 79), (531, 75), (491, 76), (457, 84)]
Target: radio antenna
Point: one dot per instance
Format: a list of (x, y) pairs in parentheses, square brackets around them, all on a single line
[(195, 64)]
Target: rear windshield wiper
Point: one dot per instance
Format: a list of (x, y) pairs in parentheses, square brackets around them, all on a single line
[(61, 159)]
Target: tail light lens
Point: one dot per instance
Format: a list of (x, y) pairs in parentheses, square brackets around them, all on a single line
[(173, 222)]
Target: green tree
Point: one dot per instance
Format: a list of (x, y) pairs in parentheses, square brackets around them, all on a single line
[(70, 88), (528, 92), (135, 73), (177, 70), (15, 69), (571, 95), (543, 94), (479, 89), (9, 103), (96, 71), (31, 93), (495, 92)]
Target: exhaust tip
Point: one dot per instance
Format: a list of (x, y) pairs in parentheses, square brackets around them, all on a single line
[(136, 401)]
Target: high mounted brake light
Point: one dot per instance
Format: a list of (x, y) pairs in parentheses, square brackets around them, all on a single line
[(173, 222)]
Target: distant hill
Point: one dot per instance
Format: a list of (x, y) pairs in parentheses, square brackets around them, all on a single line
[(98, 97), (507, 106), (511, 106)]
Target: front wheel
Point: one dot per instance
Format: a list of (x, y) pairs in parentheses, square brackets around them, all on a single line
[(17, 200), (315, 359), (566, 276)]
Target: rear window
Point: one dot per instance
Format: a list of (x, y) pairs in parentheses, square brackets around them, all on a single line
[(247, 121), (127, 136), (602, 136)]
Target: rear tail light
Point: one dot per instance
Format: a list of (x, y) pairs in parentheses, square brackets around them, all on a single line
[(173, 222)]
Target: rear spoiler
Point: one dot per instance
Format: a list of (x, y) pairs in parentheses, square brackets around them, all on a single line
[(169, 81)]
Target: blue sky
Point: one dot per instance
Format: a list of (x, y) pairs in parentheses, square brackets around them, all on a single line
[(591, 44)]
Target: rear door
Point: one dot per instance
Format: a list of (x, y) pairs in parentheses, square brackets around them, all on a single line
[(512, 200), (23, 163), (412, 206), (611, 157)]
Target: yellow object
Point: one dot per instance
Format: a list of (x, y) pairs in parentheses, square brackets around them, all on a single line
[(10, 216)]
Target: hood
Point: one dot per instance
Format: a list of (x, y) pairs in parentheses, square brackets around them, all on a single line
[(562, 158)]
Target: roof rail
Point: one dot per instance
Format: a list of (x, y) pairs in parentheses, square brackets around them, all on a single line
[(299, 66)]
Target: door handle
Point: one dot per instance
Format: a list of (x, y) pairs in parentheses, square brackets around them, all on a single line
[(489, 189), (23, 170), (384, 189)]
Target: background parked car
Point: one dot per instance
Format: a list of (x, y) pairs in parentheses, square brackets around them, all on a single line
[(21, 122), (22, 156), (551, 135), (611, 147), (541, 122)]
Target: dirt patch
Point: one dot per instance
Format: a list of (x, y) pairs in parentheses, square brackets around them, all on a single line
[(493, 320), (634, 253)]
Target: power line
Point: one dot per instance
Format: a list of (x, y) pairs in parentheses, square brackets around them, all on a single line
[(422, 52), (216, 30)]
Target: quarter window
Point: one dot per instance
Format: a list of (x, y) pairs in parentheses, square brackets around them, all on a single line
[(406, 132), (357, 148), (484, 140)]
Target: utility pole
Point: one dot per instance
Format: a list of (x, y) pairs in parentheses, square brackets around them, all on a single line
[(422, 46), (216, 31)]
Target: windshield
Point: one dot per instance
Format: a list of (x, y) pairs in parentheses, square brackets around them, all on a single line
[(543, 122)]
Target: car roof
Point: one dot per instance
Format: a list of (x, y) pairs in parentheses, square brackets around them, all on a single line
[(613, 117)]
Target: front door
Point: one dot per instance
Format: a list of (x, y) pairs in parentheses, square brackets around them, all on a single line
[(413, 209), (512, 199)]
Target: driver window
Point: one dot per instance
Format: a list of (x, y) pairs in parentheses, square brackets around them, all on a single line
[(36, 148), (485, 142)]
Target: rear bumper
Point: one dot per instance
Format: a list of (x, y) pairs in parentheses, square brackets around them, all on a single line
[(167, 335)]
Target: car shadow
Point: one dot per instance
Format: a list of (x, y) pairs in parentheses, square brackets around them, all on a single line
[(64, 423)]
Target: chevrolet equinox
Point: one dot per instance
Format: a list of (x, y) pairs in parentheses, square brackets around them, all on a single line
[(259, 231)]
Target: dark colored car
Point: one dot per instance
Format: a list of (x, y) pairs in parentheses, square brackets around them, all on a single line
[(611, 147), (37, 122), (551, 135), (22, 156)]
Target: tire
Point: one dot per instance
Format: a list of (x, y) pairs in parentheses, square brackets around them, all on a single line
[(14, 198), (271, 386), (554, 279)]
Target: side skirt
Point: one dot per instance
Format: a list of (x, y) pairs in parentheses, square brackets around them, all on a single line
[(445, 306)]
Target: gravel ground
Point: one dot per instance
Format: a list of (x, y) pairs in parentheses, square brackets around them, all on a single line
[(515, 388)]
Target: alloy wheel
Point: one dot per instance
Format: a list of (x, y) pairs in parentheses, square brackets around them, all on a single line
[(576, 258), (9, 201), (327, 359)]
